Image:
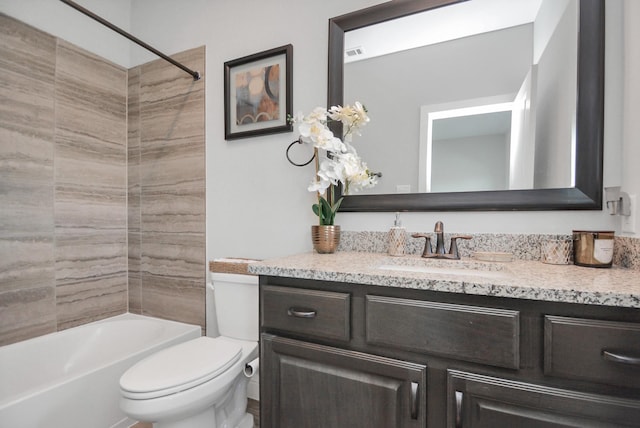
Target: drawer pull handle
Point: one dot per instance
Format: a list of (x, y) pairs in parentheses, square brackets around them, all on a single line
[(458, 422), (618, 357), (301, 313), (415, 400)]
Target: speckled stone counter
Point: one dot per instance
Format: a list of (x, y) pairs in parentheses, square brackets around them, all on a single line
[(518, 279), (626, 252)]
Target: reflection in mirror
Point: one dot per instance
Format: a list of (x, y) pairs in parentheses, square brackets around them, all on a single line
[(557, 98), (526, 49), (465, 149)]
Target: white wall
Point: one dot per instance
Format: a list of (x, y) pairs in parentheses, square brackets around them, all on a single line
[(257, 204), (631, 127)]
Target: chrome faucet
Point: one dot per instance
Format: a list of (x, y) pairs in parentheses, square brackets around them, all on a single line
[(440, 252)]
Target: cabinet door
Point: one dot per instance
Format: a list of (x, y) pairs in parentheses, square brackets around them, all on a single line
[(314, 386), (476, 401)]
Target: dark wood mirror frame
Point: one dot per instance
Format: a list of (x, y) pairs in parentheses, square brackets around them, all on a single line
[(587, 193)]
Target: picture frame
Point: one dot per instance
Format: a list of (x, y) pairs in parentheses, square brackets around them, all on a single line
[(258, 93)]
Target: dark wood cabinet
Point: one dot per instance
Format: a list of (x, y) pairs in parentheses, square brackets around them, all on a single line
[(476, 401), (485, 335), (315, 386), (321, 314), (595, 350), (350, 355)]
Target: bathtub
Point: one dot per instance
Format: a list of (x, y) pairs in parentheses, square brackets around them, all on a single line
[(71, 378)]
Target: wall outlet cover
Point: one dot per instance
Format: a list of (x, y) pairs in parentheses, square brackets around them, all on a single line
[(629, 221), (403, 188)]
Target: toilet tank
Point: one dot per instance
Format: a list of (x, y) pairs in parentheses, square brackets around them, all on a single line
[(236, 305)]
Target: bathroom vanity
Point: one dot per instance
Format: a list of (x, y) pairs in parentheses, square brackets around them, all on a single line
[(366, 340)]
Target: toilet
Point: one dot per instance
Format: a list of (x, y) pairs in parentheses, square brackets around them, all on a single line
[(202, 382)]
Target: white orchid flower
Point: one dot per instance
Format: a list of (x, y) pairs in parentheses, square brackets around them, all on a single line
[(318, 114), (333, 144), (329, 173), (352, 117), (343, 165), (355, 173), (312, 132), (331, 170), (297, 118), (319, 186)]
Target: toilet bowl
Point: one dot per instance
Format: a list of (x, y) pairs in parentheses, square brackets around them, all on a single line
[(200, 383)]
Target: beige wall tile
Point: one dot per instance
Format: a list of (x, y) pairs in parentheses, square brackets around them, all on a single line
[(27, 261), (172, 186), (27, 61), (27, 293), (173, 298), (90, 300), (174, 255), (27, 313), (102, 197), (90, 192), (91, 276), (26, 187), (90, 120), (63, 258), (134, 275), (133, 191), (133, 151)]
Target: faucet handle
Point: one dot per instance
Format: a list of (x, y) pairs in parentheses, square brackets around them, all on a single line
[(453, 249), (427, 245)]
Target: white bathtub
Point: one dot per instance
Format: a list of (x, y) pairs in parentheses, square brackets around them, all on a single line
[(71, 378)]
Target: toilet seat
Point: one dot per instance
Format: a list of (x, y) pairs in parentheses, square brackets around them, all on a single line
[(179, 367)]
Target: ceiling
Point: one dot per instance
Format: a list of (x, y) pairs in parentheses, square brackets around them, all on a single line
[(439, 25)]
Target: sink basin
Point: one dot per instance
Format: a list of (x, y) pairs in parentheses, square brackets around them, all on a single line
[(456, 268)]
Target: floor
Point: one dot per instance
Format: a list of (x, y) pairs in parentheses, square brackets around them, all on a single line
[(253, 407)]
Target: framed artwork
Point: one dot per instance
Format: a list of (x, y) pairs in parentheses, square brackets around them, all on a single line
[(258, 93)]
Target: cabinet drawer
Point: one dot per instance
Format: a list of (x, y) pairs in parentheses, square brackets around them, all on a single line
[(475, 400), (309, 312), (601, 351), (478, 334)]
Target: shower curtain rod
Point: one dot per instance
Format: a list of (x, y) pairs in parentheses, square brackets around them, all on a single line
[(195, 74)]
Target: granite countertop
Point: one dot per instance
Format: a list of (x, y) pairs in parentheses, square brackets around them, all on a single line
[(517, 279)]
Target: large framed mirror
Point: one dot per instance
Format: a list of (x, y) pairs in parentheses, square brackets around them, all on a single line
[(563, 137)]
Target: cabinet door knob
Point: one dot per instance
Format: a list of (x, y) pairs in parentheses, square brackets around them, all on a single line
[(301, 312), (620, 357), (415, 400)]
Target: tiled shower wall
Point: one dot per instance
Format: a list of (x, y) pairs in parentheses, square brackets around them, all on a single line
[(166, 188), (63, 188)]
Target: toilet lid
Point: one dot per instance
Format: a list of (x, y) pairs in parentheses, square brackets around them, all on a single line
[(179, 367)]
